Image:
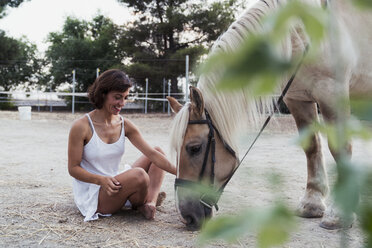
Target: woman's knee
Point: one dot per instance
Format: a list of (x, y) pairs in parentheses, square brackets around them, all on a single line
[(140, 177), (135, 177)]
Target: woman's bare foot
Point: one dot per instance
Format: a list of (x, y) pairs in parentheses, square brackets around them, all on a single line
[(148, 211), (161, 198)]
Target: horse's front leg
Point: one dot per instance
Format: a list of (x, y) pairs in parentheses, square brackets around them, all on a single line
[(333, 217), (312, 204)]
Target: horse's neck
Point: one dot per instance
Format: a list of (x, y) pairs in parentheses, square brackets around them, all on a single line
[(358, 25), (229, 111)]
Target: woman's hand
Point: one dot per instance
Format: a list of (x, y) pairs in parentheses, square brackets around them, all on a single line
[(110, 185)]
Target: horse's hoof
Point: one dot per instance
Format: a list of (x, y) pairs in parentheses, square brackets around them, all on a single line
[(333, 220), (311, 206), (310, 210), (330, 225)]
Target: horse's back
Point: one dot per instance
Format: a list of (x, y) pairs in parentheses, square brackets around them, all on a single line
[(351, 51)]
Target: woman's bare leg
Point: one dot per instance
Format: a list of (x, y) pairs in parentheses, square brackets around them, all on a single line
[(156, 176), (140, 185), (134, 182)]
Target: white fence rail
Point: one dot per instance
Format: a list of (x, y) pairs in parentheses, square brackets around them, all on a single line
[(137, 100)]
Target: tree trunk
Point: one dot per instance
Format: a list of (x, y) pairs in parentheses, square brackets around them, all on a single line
[(174, 87)]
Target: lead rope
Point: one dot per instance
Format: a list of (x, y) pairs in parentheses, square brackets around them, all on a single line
[(276, 106)]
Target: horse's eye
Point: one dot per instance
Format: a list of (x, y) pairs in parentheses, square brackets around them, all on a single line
[(193, 150)]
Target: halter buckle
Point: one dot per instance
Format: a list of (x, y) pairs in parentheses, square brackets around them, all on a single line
[(208, 205)]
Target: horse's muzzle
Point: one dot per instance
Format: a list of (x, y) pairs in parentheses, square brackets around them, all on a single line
[(193, 212)]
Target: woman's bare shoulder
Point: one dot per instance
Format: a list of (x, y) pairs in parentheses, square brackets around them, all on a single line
[(80, 125), (129, 126), (127, 121)]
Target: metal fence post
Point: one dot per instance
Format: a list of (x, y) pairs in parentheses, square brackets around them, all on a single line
[(50, 98), (38, 100), (169, 91), (187, 79), (73, 92), (164, 102), (147, 87)]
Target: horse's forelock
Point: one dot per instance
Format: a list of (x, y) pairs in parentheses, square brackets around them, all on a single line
[(177, 132)]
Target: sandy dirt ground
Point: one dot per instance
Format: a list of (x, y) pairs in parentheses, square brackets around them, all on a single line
[(37, 207)]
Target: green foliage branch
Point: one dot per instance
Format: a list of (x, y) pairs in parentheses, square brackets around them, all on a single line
[(4, 4), (19, 62), (82, 46)]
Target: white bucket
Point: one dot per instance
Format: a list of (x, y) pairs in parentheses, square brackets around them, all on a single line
[(24, 113)]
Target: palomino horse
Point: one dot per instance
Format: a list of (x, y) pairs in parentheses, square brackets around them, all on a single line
[(205, 155)]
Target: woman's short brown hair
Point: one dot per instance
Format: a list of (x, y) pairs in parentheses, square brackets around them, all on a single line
[(110, 80)]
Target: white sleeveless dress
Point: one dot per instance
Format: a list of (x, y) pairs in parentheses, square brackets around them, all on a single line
[(102, 159)]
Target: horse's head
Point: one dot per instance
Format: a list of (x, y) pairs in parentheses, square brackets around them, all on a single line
[(205, 161)]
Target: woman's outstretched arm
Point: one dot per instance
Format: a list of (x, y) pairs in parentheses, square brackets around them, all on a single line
[(135, 137)]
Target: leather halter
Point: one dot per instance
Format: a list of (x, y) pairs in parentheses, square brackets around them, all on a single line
[(212, 196)]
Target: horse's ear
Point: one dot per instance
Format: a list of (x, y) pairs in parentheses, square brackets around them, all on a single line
[(174, 104), (197, 102)]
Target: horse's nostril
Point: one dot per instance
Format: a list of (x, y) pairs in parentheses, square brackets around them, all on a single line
[(192, 224), (189, 220)]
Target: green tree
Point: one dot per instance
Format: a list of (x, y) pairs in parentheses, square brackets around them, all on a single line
[(164, 31), (18, 58), (8, 3), (19, 63), (83, 46)]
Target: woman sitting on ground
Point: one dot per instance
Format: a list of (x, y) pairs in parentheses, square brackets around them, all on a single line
[(95, 147)]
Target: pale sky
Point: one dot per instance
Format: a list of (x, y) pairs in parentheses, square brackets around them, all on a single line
[(36, 18)]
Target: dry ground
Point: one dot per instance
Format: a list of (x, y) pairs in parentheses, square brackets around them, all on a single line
[(37, 208)]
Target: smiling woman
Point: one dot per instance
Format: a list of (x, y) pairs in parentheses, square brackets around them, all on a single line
[(95, 148), (112, 87)]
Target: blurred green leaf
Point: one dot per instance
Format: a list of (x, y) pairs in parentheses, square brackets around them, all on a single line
[(258, 65), (203, 189), (362, 108), (224, 227), (271, 236), (275, 180), (200, 191), (365, 210), (314, 20), (304, 139), (353, 129), (272, 226), (365, 216), (347, 189), (364, 4), (255, 65), (356, 129)]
